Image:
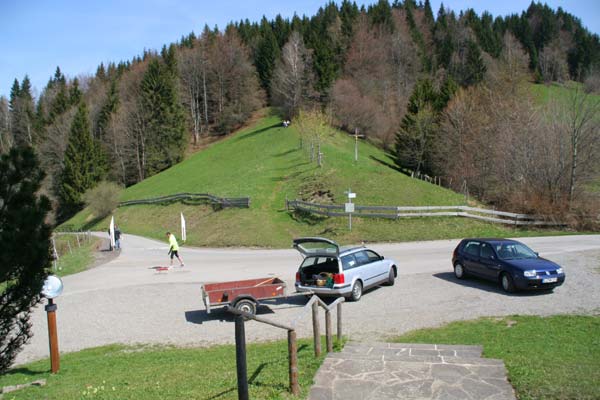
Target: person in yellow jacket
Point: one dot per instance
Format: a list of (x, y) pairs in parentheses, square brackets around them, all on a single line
[(174, 248)]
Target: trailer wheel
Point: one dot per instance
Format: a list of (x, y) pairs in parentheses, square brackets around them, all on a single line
[(246, 305)]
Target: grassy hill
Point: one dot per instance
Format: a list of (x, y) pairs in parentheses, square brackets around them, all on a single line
[(265, 162)]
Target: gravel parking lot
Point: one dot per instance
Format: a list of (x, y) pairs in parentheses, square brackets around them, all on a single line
[(126, 301)]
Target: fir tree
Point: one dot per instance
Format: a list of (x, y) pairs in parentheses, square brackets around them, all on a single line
[(165, 122), (474, 68), (74, 93), (24, 248), (266, 55), (82, 169)]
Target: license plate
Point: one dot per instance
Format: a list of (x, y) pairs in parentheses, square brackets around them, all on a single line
[(549, 280)]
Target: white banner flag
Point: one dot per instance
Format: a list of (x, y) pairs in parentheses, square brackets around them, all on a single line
[(111, 232), (182, 228)]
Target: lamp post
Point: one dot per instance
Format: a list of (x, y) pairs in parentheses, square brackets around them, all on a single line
[(52, 288)]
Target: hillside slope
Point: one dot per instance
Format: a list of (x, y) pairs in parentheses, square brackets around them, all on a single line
[(266, 163)]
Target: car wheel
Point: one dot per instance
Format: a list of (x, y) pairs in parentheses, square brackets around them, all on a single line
[(459, 271), (507, 283), (246, 305), (357, 289), (391, 277)]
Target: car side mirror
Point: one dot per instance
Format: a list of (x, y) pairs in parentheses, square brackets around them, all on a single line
[(536, 253), (381, 257), (493, 257)]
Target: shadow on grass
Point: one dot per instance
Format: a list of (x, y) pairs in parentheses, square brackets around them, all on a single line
[(26, 371), (488, 286), (258, 131), (389, 164)]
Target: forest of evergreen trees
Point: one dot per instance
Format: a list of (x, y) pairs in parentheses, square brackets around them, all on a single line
[(395, 71)]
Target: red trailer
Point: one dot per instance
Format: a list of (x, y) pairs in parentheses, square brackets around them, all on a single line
[(243, 295)]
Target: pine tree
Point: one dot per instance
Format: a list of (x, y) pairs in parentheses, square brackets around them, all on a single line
[(22, 113), (267, 54), (415, 138), (165, 122), (474, 68), (15, 92), (108, 108), (24, 248), (75, 94), (82, 168)]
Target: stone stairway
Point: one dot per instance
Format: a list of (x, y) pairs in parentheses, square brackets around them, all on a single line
[(381, 371)]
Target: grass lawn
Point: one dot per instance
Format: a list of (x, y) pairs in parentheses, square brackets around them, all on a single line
[(74, 256), (146, 373), (547, 358), (266, 163)]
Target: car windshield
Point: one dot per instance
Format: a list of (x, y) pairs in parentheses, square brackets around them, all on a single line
[(511, 251)]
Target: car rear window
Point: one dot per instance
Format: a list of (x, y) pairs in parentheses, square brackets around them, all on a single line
[(311, 261)]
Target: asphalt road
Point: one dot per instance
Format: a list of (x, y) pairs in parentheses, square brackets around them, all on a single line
[(127, 301)]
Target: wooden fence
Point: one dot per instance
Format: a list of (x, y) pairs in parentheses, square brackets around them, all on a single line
[(394, 212), (242, 202)]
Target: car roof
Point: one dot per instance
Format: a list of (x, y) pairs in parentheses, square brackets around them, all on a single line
[(350, 249), (491, 240)]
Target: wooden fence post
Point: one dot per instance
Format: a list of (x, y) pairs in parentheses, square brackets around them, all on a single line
[(339, 321), (328, 335), (316, 332), (293, 362)]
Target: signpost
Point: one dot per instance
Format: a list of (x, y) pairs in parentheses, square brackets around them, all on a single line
[(349, 206)]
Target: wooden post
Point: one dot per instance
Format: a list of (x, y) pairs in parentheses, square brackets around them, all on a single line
[(69, 244), (240, 358), (316, 332), (339, 321), (328, 334), (293, 362), (53, 337), (77, 237)]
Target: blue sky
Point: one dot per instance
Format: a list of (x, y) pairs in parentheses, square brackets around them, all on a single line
[(38, 35)]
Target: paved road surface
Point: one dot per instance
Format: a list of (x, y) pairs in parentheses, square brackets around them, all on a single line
[(126, 301)]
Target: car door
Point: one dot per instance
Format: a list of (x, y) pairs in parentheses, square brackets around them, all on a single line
[(383, 270), (488, 261), (470, 257), (368, 270)]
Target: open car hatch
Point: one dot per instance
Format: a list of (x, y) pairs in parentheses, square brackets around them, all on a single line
[(313, 246)]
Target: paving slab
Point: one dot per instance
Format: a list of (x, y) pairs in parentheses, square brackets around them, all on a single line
[(382, 371)]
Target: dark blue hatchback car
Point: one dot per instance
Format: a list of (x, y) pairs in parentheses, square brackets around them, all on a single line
[(508, 262)]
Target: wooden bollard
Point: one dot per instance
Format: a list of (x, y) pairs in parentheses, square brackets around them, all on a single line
[(316, 330), (293, 362), (328, 334), (339, 321)]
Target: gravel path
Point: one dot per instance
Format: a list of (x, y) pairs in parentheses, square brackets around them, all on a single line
[(126, 301)]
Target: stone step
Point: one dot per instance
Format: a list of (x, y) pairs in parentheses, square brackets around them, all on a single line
[(380, 371), (408, 351)]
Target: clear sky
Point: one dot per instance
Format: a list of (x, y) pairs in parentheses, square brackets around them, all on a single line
[(38, 35)]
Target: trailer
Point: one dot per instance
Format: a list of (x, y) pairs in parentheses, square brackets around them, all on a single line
[(243, 295)]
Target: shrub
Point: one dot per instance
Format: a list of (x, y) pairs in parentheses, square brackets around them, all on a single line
[(103, 198)]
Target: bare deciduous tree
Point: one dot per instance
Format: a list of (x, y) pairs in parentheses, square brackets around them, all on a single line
[(291, 85)]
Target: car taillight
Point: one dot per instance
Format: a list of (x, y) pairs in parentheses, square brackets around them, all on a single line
[(338, 278), (297, 276)]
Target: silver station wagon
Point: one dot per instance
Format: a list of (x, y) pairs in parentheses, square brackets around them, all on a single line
[(329, 270)]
